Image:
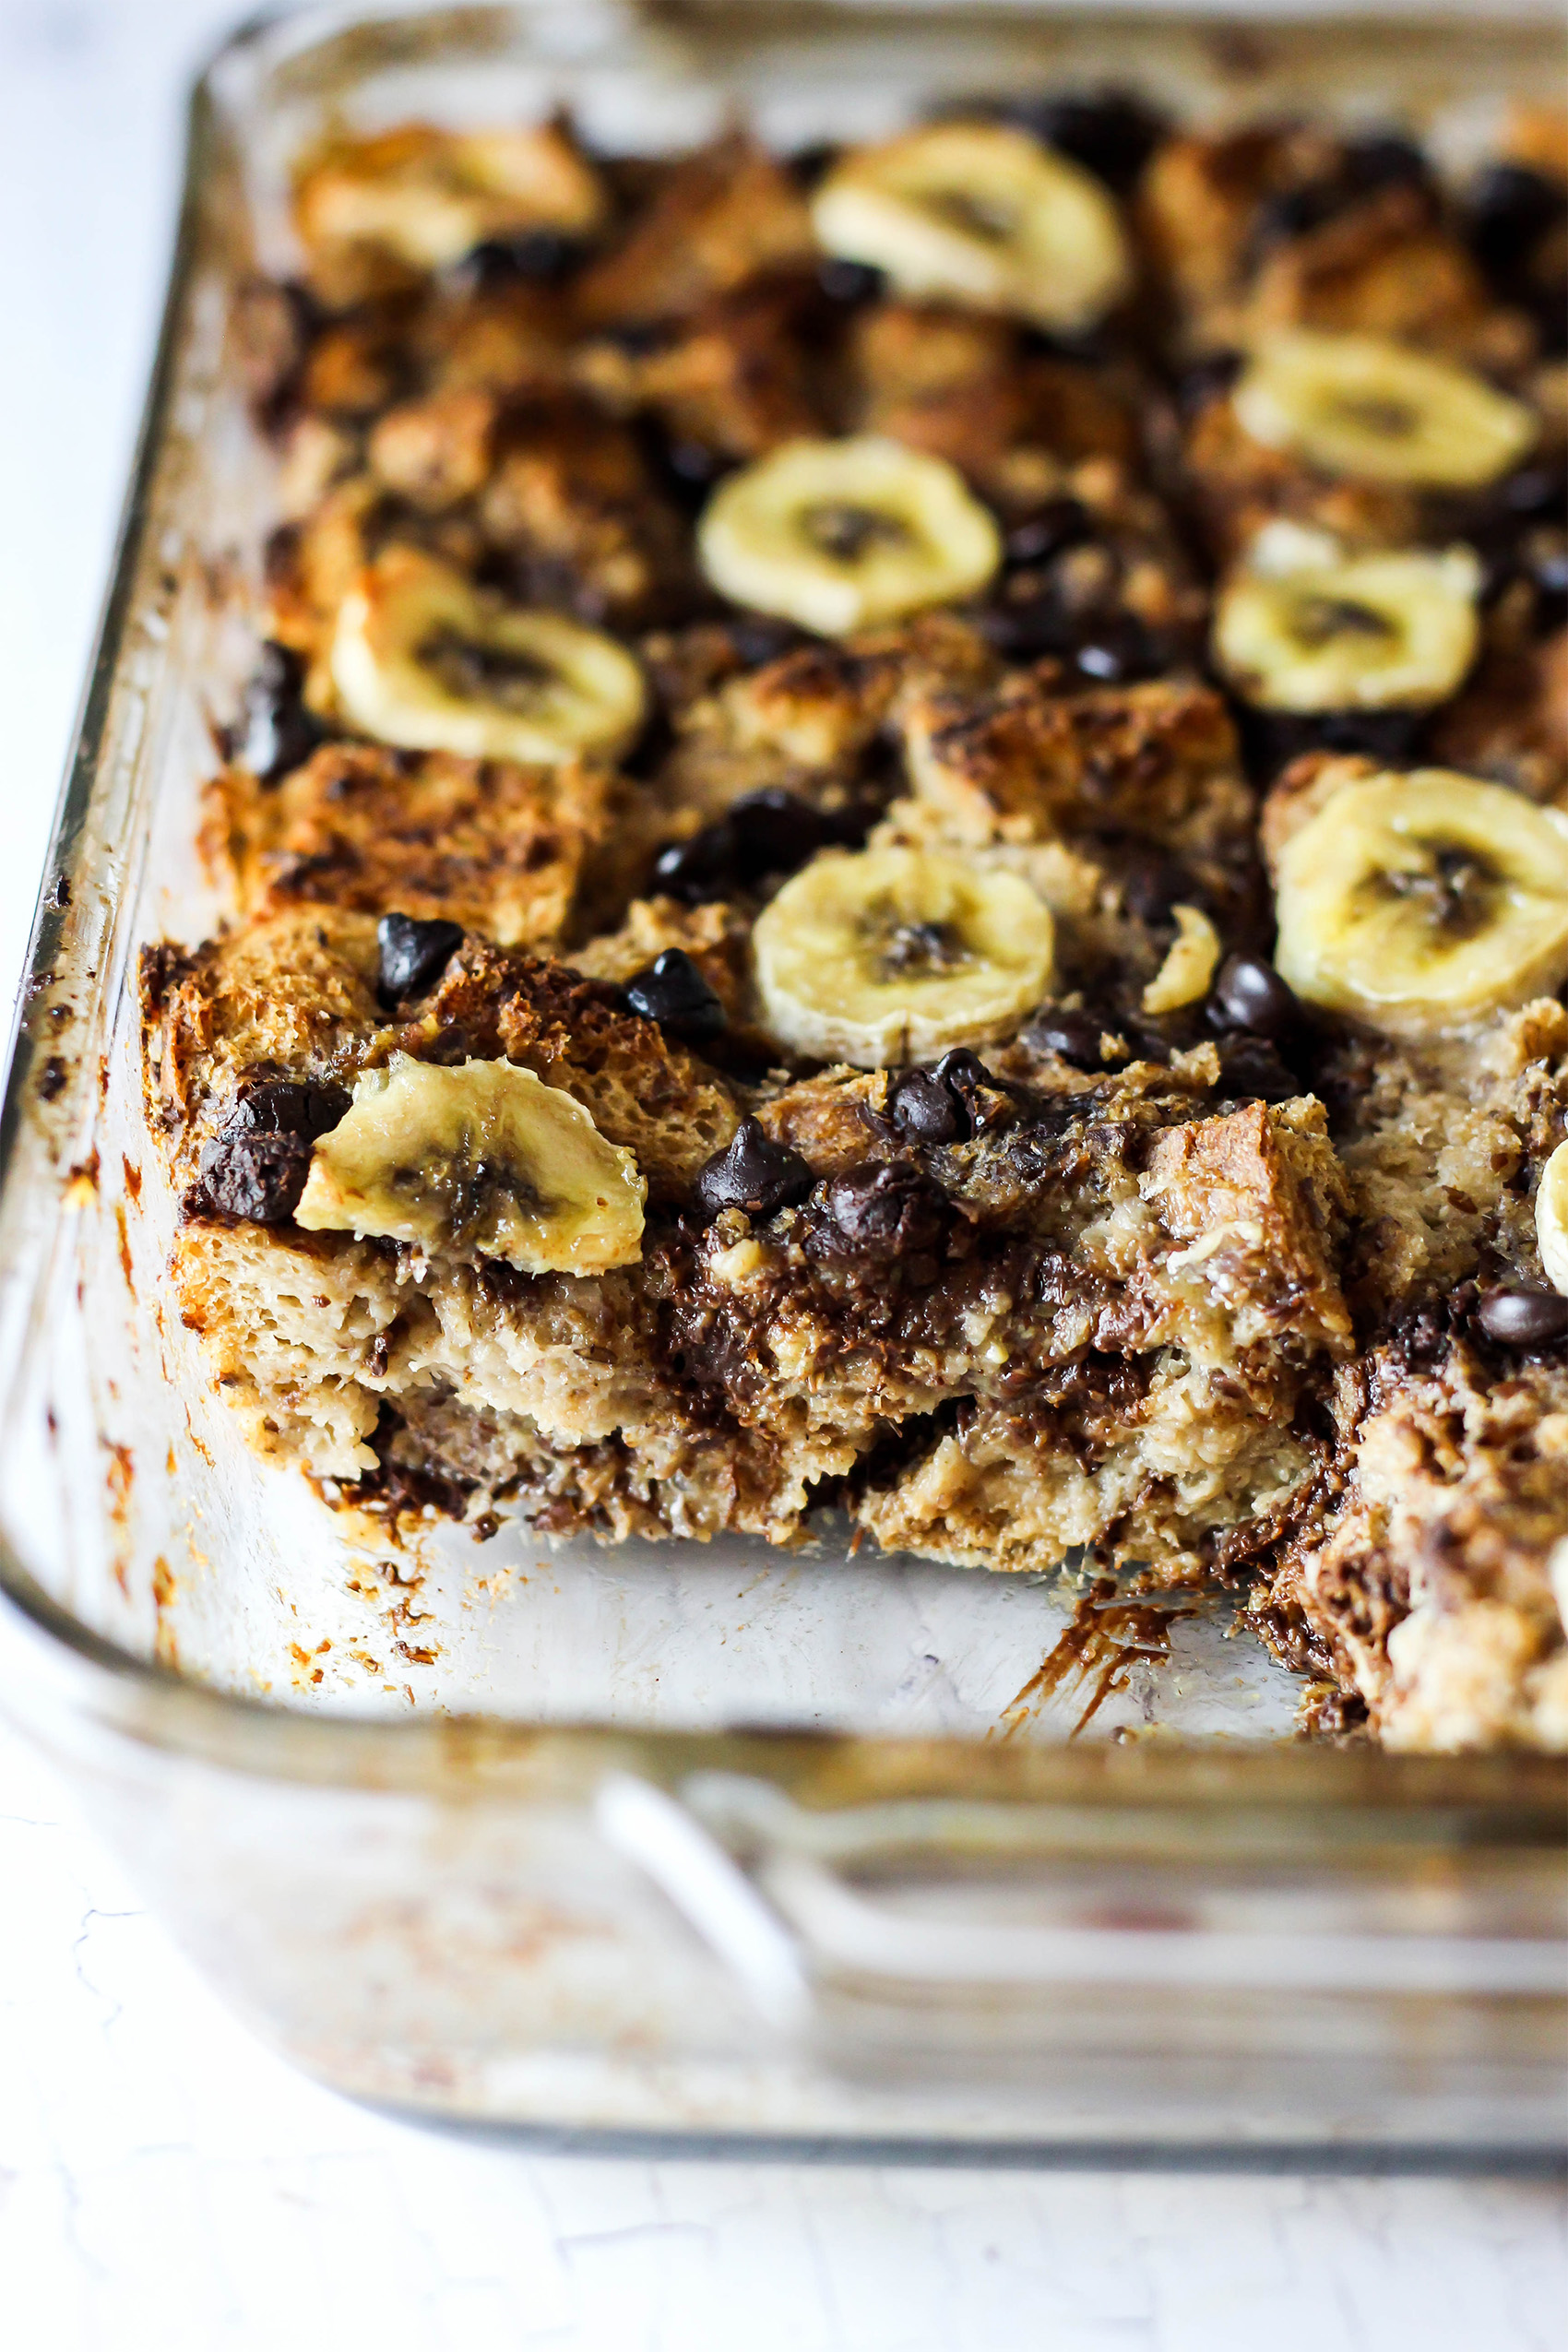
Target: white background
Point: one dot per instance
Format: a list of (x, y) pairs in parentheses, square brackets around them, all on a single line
[(164, 2182)]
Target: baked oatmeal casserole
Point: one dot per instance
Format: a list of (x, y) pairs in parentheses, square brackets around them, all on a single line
[(900, 846)]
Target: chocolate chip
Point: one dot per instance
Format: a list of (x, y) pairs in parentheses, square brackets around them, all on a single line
[(256, 1165), (1517, 236), (922, 1107), (962, 1069), (1038, 615), (693, 463), (1208, 379), (932, 1106), (753, 1172), (1073, 1038), (414, 954), (287, 1107), (1026, 629), (769, 832), (849, 281), (776, 831), (1150, 1039), (1385, 160), (1152, 883), (757, 639), (1250, 994), (1111, 134), (501, 261), (1294, 212), (451, 1049), (652, 749), (1376, 160), (1511, 209), (1271, 738), (877, 1211), (638, 337), (809, 164), (1547, 568), (1117, 649), (1518, 1316), (701, 867), (275, 733), (1059, 523), (672, 992), (258, 1177), (1535, 490), (1252, 1071)]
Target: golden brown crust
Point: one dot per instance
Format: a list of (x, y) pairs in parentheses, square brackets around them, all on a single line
[(1034, 760), (1426, 1587), (645, 1091), (1273, 225), (821, 704), (437, 451), (295, 993), (1384, 266), (1034, 763), (1268, 1184), (517, 853), (716, 936), (720, 216), (546, 495), (571, 503), (1238, 486), (807, 719), (512, 341), (731, 381), (962, 388), (1199, 196), (1511, 722)]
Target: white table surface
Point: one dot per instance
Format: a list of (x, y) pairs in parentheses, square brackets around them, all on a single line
[(164, 2182)]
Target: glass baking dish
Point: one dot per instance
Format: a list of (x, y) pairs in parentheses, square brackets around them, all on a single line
[(671, 1846)]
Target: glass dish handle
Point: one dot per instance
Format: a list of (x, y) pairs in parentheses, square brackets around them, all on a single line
[(767, 1885)]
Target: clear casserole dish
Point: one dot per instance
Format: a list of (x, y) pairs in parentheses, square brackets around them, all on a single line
[(690, 1847)]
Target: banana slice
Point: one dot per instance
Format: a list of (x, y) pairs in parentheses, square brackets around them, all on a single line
[(1419, 903), (1368, 633), (1379, 411), (892, 955), (1189, 964), (1552, 1218), (422, 658), (482, 1159), (428, 197), (971, 212), (839, 535)]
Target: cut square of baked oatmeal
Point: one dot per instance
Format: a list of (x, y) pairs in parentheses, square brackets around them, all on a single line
[(530, 857), (1291, 223), (1127, 1266)]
